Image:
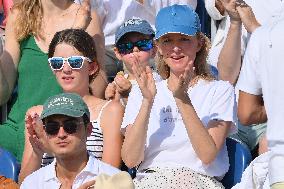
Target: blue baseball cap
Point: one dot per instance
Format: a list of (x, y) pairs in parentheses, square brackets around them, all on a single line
[(177, 19), (134, 25)]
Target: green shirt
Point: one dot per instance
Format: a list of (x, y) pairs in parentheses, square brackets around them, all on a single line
[(36, 83)]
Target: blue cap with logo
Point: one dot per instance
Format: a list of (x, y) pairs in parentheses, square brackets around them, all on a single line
[(134, 25), (177, 19)]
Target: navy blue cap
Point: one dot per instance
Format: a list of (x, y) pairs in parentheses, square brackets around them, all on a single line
[(134, 25), (177, 19)]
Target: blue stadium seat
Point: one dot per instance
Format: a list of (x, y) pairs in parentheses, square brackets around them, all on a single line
[(9, 167), (239, 158)]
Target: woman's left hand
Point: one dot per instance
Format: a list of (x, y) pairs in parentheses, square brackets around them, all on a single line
[(180, 89), (83, 17)]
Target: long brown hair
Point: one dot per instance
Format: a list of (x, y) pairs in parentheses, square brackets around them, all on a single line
[(201, 67)]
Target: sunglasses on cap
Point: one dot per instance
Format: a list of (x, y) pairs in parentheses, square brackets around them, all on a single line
[(75, 62), (142, 45), (69, 126)]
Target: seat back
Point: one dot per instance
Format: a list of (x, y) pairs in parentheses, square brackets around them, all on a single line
[(239, 158), (9, 166)]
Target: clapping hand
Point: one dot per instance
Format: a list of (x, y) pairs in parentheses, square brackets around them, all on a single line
[(247, 16), (145, 81), (83, 16), (35, 132), (230, 6), (179, 89)]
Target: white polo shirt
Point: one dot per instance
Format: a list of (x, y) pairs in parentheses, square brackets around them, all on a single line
[(45, 178), (262, 74)]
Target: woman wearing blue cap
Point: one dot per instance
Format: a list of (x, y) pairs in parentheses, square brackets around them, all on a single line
[(177, 134)]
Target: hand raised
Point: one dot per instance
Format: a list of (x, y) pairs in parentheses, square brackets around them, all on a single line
[(230, 6), (180, 88), (145, 81), (83, 16), (247, 16), (36, 134)]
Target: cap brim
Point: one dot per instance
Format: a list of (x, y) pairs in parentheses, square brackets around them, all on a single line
[(145, 32), (190, 31)]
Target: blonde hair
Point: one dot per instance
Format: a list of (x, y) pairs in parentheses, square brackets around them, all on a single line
[(28, 19), (201, 67)]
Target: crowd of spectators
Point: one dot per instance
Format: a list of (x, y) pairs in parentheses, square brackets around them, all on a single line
[(94, 86)]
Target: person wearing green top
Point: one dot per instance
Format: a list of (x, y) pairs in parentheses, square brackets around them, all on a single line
[(30, 27)]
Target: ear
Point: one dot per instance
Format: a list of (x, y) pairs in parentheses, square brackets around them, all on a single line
[(93, 68), (117, 54), (89, 129), (200, 44)]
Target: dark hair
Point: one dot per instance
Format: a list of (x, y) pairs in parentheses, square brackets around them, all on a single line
[(79, 39), (86, 119)]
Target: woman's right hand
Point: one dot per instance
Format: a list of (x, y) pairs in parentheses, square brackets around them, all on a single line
[(83, 17), (145, 81)]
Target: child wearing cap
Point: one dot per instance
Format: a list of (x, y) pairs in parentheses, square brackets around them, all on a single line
[(176, 128), (133, 43)]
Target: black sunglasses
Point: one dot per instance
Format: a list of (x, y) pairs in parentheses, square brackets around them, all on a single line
[(142, 45), (69, 126)]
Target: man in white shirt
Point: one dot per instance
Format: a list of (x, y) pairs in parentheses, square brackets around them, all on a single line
[(66, 123), (229, 45), (262, 76)]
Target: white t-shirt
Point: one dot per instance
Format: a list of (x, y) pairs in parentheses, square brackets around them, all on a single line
[(264, 10), (167, 143), (45, 177), (262, 74), (114, 13)]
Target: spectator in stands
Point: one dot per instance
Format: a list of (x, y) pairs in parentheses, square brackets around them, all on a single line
[(29, 30), (113, 13), (175, 129), (66, 122), (262, 77), (133, 43), (229, 46), (78, 50)]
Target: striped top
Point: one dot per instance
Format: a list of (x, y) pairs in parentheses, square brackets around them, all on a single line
[(94, 141)]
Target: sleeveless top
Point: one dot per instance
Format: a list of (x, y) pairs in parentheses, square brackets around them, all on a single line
[(94, 141), (35, 84)]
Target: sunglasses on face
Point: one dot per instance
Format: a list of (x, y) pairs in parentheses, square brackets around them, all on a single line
[(75, 62), (69, 126), (142, 45)]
